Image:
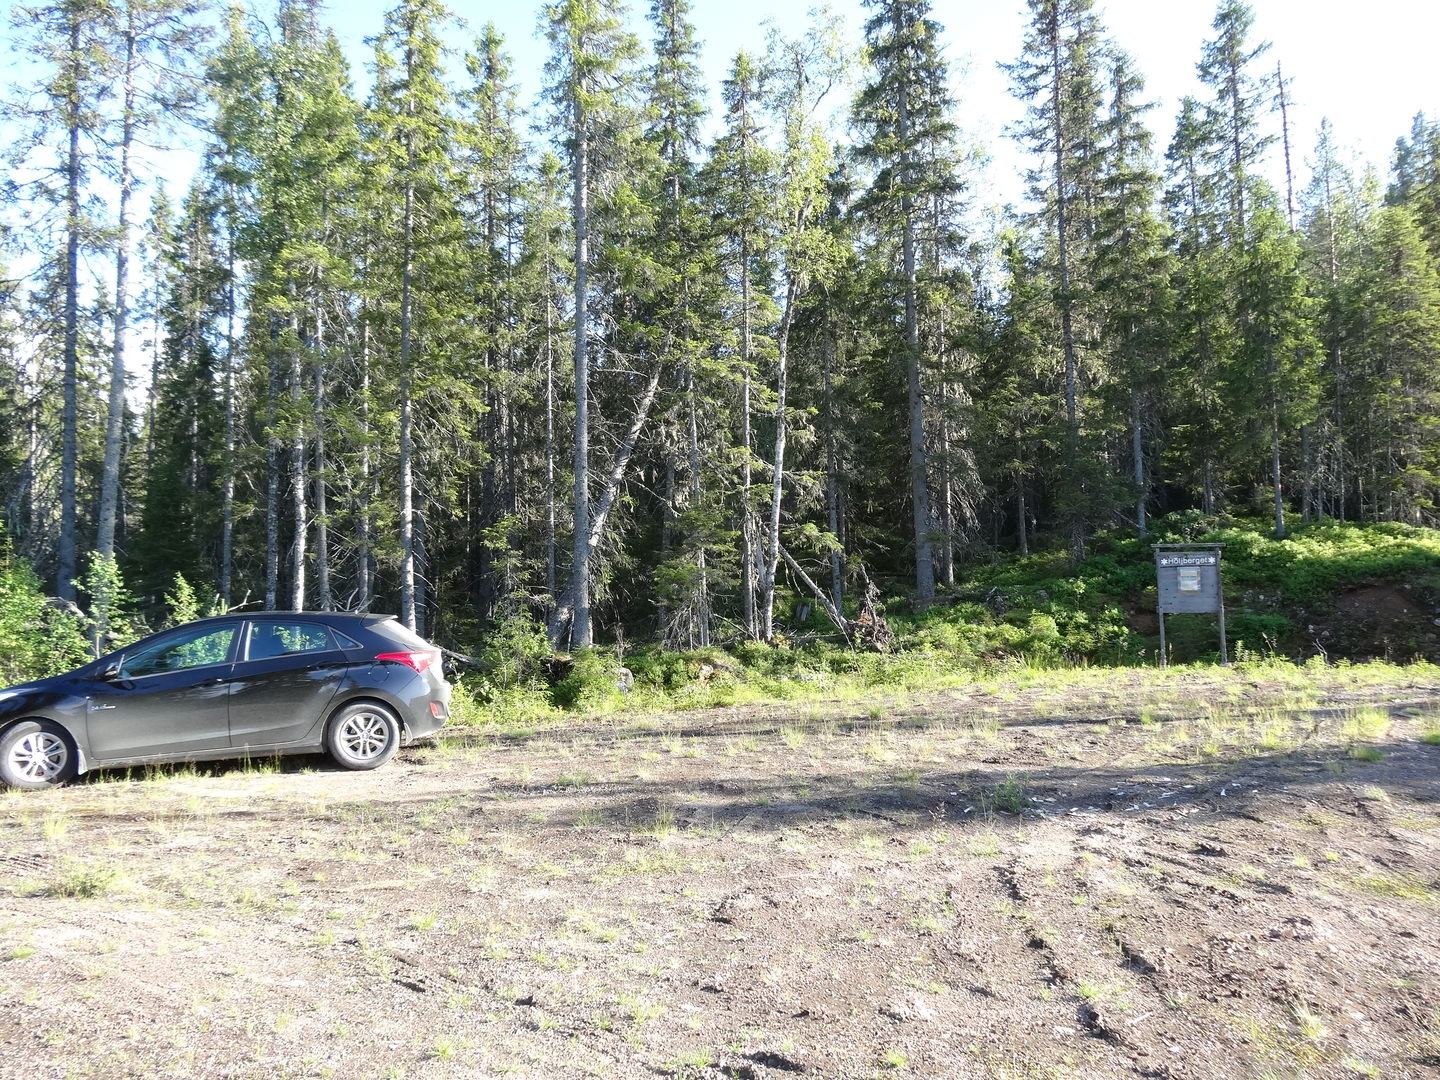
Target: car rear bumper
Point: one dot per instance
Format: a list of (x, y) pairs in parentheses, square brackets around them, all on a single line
[(429, 714)]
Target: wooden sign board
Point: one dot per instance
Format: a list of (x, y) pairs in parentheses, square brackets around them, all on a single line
[(1187, 582)]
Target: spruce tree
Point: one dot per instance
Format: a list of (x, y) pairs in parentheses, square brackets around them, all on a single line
[(494, 179), (904, 115), (1400, 376), (739, 180), (414, 149), (591, 85), (152, 50), (1131, 269), (804, 70), (61, 144), (1058, 76)]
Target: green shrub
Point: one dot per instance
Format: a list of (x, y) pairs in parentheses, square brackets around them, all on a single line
[(36, 638), (593, 684), (514, 653)]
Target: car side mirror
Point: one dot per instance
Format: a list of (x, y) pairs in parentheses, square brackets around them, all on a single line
[(110, 674)]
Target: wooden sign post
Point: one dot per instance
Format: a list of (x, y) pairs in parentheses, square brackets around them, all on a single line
[(1187, 579)]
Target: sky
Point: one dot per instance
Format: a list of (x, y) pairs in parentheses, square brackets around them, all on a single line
[(1368, 66)]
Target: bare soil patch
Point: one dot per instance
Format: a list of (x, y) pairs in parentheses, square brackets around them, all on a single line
[(1379, 622), (1118, 874)]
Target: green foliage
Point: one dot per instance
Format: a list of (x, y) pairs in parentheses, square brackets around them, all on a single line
[(1315, 562), (514, 653), (1036, 612), (593, 684), (363, 314), (183, 605), (656, 668), (111, 622), (36, 638)]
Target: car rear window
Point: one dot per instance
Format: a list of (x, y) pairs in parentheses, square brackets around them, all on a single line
[(401, 634)]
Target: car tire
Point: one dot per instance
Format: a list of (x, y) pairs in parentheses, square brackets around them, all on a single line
[(36, 754), (364, 735)]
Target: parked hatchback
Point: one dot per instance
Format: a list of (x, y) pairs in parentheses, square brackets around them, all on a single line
[(357, 687)]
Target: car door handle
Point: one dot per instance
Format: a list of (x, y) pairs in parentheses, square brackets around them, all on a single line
[(212, 682), (326, 666)]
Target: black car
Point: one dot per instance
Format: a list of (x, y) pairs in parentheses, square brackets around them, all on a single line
[(258, 684)]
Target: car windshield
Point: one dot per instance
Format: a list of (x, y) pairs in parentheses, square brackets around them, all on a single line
[(190, 648)]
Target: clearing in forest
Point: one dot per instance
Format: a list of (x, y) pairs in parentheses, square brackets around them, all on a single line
[(1193, 874)]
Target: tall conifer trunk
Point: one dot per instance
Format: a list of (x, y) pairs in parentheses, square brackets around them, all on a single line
[(550, 552), (777, 482), (323, 597), (272, 468), (298, 480), (580, 632), (919, 458), (832, 464), (115, 413), (748, 525), (1064, 297), (65, 561), (227, 465)]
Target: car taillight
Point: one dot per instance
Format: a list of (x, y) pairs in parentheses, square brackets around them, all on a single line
[(416, 661)]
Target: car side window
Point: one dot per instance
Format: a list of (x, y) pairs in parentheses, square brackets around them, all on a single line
[(270, 638), (178, 652)]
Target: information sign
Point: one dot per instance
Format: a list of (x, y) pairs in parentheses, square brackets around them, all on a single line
[(1187, 580)]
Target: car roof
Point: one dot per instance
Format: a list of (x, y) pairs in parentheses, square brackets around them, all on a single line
[(365, 617)]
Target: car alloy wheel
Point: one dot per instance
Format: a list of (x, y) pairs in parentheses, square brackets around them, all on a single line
[(34, 755), (364, 736)]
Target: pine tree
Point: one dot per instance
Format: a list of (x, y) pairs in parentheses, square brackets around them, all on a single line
[(904, 112), (1203, 334), (495, 176), (1416, 170), (66, 39), (1401, 379), (683, 268), (591, 83), (178, 522), (1266, 296), (415, 146), (1233, 113), (739, 180), (804, 72), (1277, 348), (1058, 76), (1016, 413), (1334, 219), (234, 78), (1131, 270), (542, 277), (153, 47)]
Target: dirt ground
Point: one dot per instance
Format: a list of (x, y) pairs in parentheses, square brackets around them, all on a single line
[(1385, 621), (1112, 874)]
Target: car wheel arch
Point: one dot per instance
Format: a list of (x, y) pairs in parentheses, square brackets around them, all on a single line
[(360, 696), (71, 741), (368, 696)]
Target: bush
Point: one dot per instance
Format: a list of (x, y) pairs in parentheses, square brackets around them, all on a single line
[(514, 654), (36, 638), (593, 685)]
